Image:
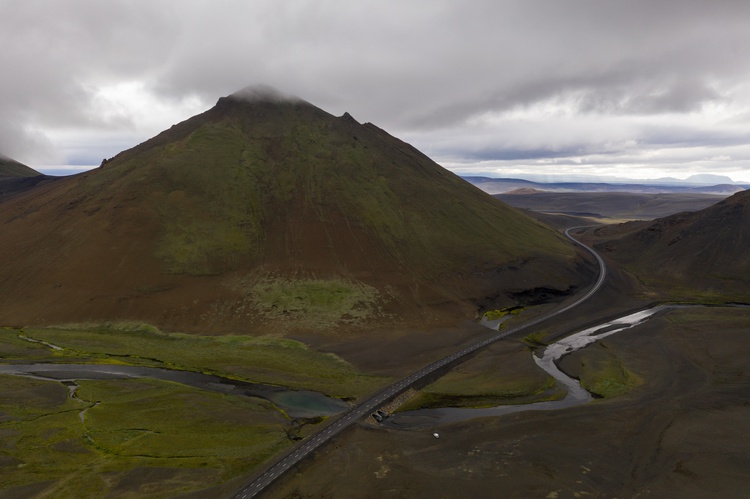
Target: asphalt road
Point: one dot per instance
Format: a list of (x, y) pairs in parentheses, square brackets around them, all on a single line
[(340, 423)]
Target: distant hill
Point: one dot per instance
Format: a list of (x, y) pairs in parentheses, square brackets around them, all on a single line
[(504, 185), (12, 168), (699, 255), (523, 191), (616, 205), (266, 211), (16, 178), (708, 178)]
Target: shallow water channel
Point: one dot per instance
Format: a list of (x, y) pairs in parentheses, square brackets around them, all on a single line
[(576, 395), (296, 403)]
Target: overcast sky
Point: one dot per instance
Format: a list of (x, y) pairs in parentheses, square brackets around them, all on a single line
[(631, 88)]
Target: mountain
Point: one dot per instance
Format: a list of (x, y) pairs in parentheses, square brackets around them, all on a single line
[(12, 168), (16, 178), (266, 212), (504, 185), (708, 179), (618, 205), (690, 255)]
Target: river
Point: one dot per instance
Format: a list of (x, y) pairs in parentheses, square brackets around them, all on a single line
[(296, 403), (576, 394)]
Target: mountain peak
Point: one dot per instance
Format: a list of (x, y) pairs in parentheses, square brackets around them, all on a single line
[(264, 93), (349, 118)]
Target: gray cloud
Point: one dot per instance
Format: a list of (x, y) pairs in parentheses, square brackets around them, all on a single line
[(422, 70)]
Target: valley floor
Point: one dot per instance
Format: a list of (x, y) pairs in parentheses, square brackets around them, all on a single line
[(680, 433)]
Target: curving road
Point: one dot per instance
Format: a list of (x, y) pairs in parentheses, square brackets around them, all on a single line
[(370, 405)]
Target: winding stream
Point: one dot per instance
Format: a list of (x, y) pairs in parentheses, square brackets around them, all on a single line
[(296, 403), (576, 395)]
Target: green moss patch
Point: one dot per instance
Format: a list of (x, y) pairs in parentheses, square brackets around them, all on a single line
[(492, 315), (320, 302), (276, 361), (607, 377), (155, 438), (535, 340)]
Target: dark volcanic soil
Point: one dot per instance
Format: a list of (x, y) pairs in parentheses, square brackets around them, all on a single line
[(680, 434)]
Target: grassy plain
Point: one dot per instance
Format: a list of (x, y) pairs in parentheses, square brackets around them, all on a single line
[(150, 438), (603, 373), (271, 360), (128, 438)]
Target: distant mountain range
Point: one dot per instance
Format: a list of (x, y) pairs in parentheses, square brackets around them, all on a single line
[(503, 185), (613, 205)]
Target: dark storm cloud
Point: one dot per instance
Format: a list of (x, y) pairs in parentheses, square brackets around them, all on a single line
[(414, 68), (53, 55)]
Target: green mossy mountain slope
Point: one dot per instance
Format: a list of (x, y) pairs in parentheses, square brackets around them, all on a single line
[(16, 178), (179, 230), (12, 168)]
